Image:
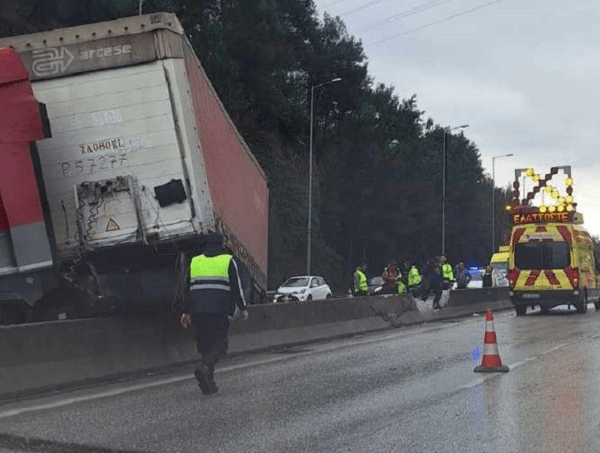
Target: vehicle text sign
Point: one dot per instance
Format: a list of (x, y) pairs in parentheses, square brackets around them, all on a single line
[(89, 56), (538, 217)]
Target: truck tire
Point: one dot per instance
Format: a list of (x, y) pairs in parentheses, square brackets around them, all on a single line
[(15, 312), (581, 305), (520, 310)]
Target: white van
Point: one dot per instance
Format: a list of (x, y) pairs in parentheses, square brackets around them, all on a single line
[(499, 262)]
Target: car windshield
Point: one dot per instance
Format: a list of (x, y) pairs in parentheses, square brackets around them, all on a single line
[(542, 255), (296, 282)]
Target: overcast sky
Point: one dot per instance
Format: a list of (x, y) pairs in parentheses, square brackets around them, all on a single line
[(525, 76)]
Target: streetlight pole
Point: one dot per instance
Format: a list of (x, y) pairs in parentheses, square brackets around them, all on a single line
[(494, 199), (310, 169), (446, 129)]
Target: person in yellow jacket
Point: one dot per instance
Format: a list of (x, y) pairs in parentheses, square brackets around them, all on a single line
[(215, 289), (400, 286), (447, 273), (361, 282), (414, 280)]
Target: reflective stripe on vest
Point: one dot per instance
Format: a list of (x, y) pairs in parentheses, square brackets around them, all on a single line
[(210, 272), (362, 282)]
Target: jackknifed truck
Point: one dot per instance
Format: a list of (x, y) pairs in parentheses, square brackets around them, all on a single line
[(142, 162)]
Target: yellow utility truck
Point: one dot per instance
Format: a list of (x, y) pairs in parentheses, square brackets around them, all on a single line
[(552, 260)]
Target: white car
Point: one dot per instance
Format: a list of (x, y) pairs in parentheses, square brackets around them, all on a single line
[(303, 288)]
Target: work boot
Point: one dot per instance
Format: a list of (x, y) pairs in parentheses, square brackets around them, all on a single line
[(210, 362), (212, 385), (202, 376)]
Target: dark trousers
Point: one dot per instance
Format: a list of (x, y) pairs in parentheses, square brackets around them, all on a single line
[(414, 290), (389, 289), (211, 337), (434, 286), (438, 296)]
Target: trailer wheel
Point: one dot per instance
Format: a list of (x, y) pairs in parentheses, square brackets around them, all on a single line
[(15, 312), (520, 310)]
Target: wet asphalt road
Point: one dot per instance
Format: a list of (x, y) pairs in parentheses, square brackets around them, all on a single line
[(409, 390)]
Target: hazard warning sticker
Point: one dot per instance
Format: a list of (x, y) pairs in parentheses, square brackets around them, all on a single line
[(112, 226)]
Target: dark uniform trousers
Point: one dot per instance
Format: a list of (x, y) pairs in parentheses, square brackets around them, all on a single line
[(211, 337)]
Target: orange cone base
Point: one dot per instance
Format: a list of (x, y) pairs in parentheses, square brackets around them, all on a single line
[(491, 369)]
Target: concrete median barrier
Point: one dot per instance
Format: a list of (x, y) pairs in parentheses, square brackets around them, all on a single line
[(50, 355), (472, 296), (39, 357)]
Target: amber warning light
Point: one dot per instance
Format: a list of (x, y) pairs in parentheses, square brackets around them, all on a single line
[(557, 208)]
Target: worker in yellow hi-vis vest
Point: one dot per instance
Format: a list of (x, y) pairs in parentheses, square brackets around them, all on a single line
[(214, 292), (361, 282), (447, 273)]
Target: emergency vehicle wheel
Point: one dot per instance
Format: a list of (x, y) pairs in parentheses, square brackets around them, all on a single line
[(581, 305), (521, 310)]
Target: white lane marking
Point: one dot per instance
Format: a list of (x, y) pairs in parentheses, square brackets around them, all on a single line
[(80, 399), (161, 382), (555, 348), (142, 386), (512, 366), (476, 382), (131, 388)]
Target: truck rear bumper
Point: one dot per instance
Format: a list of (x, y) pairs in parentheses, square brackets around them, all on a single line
[(547, 299)]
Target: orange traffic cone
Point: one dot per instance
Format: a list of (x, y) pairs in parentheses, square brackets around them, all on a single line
[(491, 358)]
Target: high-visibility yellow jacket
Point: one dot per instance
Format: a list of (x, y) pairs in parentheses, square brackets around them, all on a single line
[(414, 278), (400, 287), (361, 284), (214, 286), (447, 273)]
